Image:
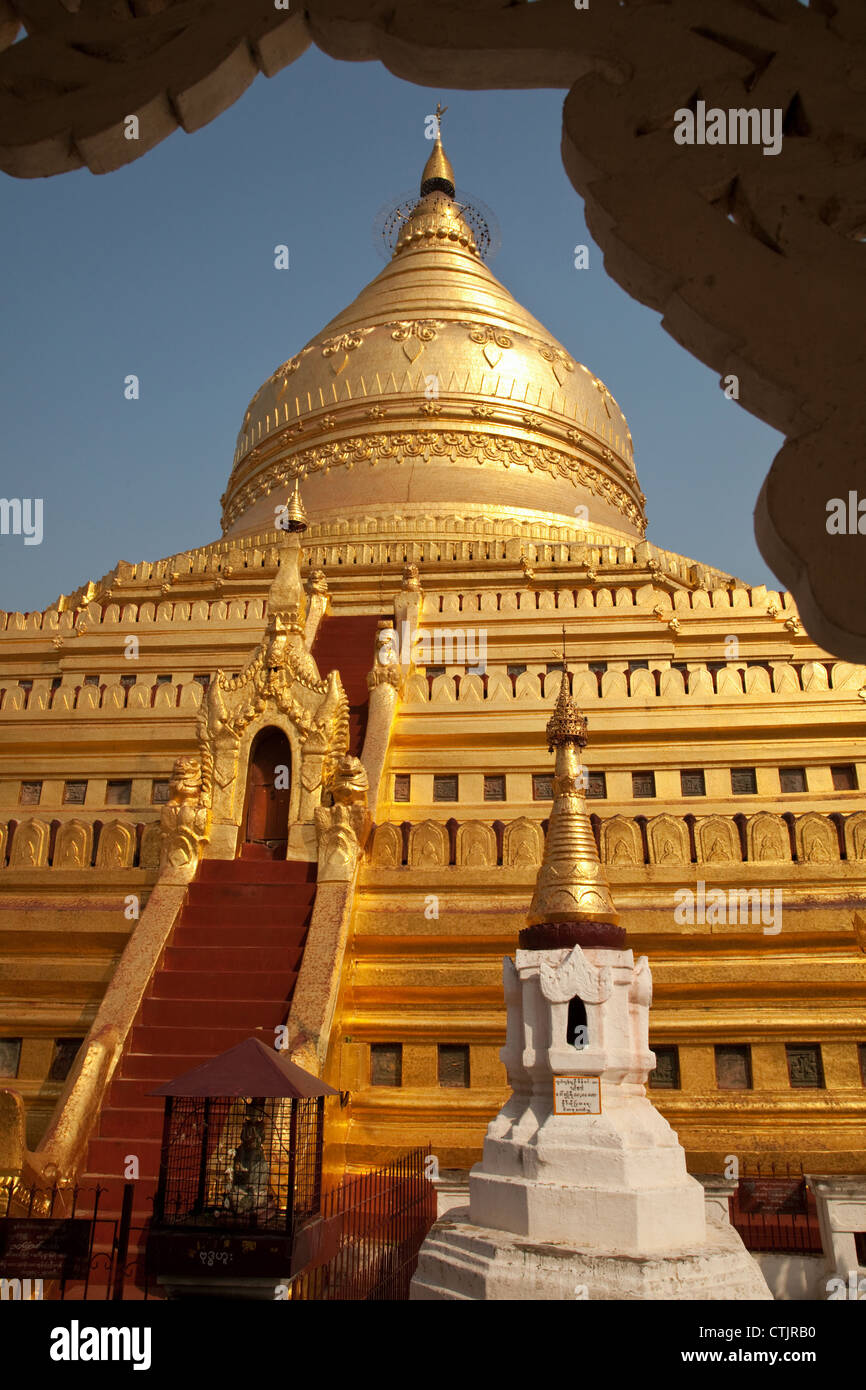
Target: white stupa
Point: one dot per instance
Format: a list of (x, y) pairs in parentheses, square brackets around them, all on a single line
[(583, 1190)]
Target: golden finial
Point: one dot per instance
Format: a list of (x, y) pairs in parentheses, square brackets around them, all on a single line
[(571, 886), (438, 174), (296, 517), (566, 724)]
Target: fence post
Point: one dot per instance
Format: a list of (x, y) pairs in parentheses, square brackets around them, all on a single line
[(122, 1245)]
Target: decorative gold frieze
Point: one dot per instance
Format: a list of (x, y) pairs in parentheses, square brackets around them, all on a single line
[(455, 445)]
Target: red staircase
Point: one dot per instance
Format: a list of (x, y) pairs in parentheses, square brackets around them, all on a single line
[(348, 645), (228, 973)]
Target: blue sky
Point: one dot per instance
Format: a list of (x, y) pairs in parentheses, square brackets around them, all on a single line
[(165, 269)]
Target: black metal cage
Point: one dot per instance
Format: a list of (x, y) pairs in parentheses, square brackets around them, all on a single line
[(240, 1162)]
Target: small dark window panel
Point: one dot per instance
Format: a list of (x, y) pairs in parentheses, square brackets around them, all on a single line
[(434, 671), (643, 784), (792, 779), (65, 1052), (74, 793), (30, 793), (805, 1069), (91, 680), (402, 786), (453, 1064), (386, 1064), (542, 787), (596, 786), (734, 1068), (10, 1056), (844, 778), (666, 1076), (744, 781), (515, 670), (445, 788), (203, 680), (692, 783), (127, 682), (118, 794), (159, 793), (494, 788)]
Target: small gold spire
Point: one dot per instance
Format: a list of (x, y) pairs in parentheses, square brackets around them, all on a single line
[(296, 517), (438, 173), (571, 885)]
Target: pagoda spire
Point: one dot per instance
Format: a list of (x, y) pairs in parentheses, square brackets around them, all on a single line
[(438, 175), (571, 887)]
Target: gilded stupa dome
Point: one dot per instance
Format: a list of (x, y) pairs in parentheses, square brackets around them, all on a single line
[(435, 391)]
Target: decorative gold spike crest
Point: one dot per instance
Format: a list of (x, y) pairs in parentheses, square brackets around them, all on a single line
[(571, 885)]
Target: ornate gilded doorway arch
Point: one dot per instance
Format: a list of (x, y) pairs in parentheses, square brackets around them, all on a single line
[(268, 799)]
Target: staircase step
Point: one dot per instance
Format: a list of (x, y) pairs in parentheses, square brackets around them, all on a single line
[(127, 1093), (241, 917), (157, 1067), (264, 937), (237, 959), (249, 894), (199, 1013), (106, 1158), (264, 871), (219, 985), (195, 1043), (131, 1124)]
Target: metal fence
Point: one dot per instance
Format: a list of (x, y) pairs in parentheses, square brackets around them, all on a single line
[(58, 1243), (776, 1211), (364, 1245)]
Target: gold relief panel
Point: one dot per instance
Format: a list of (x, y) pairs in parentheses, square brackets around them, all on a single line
[(767, 839), (428, 845), (621, 841), (387, 850), (72, 847), (668, 841), (717, 841), (855, 835), (29, 845), (476, 846), (816, 839)]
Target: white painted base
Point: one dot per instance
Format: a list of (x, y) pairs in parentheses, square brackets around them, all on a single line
[(459, 1261), (615, 1181)]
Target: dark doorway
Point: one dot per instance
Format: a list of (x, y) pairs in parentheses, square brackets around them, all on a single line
[(269, 792)]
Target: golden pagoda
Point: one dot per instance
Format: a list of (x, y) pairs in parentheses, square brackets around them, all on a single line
[(468, 490)]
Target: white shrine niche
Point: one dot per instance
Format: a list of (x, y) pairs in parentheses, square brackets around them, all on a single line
[(612, 1181), (595, 1201)]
